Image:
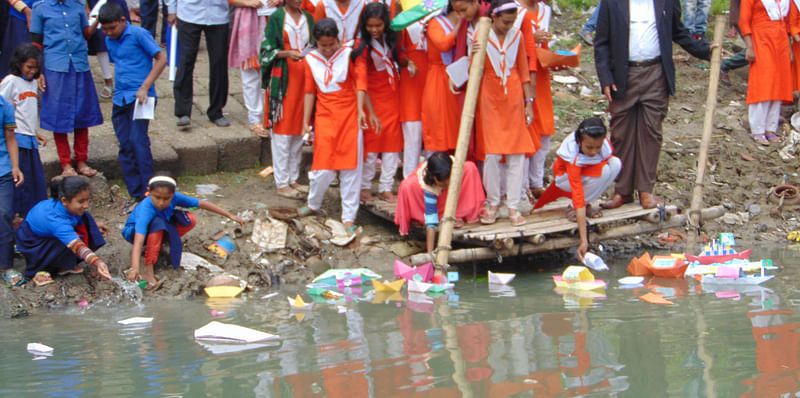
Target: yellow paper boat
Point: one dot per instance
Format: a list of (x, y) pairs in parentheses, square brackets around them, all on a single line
[(223, 291), (386, 296), (387, 286), (298, 304), (576, 277)]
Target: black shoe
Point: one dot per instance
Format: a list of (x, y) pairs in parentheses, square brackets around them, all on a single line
[(222, 122), (184, 121)]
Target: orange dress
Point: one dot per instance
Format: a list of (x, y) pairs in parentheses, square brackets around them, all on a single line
[(384, 94), (414, 45), (770, 75), (501, 103), (292, 121), (334, 82), (543, 105), (524, 21), (440, 110), (794, 29)]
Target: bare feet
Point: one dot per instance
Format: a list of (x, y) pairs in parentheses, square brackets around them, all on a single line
[(148, 275), (366, 194), (85, 170), (388, 196), (68, 171)]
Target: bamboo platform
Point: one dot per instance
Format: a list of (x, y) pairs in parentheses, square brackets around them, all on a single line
[(547, 229)]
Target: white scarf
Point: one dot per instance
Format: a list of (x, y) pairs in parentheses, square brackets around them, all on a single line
[(297, 32), (570, 151), (347, 23), (329, 73), (380, 55), (415, 33), (776, 9), (503, 57)]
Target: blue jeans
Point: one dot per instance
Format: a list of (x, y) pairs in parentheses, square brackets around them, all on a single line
[(135, 158), (695, 15), (6, 218), (591, 24)]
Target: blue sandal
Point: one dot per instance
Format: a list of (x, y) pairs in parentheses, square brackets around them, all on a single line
[(11, 275)]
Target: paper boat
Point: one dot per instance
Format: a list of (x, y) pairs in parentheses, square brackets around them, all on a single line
[(135, 321), (387, 286), (344, 277), (501, 278), (631, 280), (297, 304), (667, 266), (401, 270), (223, 291), (745, 280), (440, 287), (40, 349), (655, 299), (638, 266), (418, 286), (550, 59), (724, 258), (746, 266), (577, 277), (226, 333)]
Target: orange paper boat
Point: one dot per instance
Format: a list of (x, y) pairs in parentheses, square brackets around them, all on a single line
[(638, 266), (549, 59), (655, 299), (667, 266)]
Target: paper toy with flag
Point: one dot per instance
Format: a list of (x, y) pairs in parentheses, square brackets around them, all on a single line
[(415, 10)]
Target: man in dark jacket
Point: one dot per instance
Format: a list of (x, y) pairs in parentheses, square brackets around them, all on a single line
[(633, 57)]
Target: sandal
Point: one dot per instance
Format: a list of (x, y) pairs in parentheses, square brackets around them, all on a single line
[(77, 270), (305, 211), (355, 229), (258, 130), (154, 287), (490, 217), (107, 92), (517, 220), (773, 138), (761, 139), (127, 207), (572, 215), (291, 194), (87, 171), (591, 212), (300, 188), (13, 278), (68, 171), (42, 278)]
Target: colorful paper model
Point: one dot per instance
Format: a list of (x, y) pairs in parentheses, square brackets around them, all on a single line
[(719, 251), (499, 278), (638, 266), (387, 286), (550, 59), (344, 277), (222, 247), (401, 270), (297, 304), (578, 278), (667, 266), (415, 10), (223, 291), (418, 286)]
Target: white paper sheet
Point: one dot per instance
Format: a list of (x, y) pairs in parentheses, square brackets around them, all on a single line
[(146, 110), (173, 52), (137, 320), (459, 71), (95, 11), (223, 332), (265, 10)]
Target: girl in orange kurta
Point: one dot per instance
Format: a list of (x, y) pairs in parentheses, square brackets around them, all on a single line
[(414, 46), (377, 52), (764, 26), (339, 88), (288, 33), (794, 31), (539, 15), (505, 112)]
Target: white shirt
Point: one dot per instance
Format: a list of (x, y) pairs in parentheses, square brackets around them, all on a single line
[(25, 97), (200, 12), (643, 35)]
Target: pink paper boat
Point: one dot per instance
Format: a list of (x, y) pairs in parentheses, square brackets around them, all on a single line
[(425, 271)]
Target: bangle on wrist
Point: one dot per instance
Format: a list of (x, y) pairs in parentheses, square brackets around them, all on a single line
[(531, 99)]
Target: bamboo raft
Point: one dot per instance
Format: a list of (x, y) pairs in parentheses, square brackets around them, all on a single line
[(547, 229)]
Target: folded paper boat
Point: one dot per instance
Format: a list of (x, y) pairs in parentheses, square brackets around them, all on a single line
[(578, 278), (667, 266), (721, 259), (40, 349), (550, 59), (387, 286), (401, 270), (297, 304), (344, 277), (498, 278), (638, 266), (223, 291), (418, 286), (227, 333)]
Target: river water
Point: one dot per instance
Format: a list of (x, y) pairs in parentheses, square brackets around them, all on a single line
[(524, 340)]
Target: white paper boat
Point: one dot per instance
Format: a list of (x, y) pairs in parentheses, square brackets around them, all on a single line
[(418, 287), (135, 321), (631, 280), (40, 349), (501, 278), (223, 332), (222, 348), (297, 304), (594, 262)]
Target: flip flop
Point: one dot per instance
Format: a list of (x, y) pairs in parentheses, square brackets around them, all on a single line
[(355, 229), (68, 171), (107, 92), (291, 194), (300, 188), (761, 139), (490, 217), (156, 286), (517, 220), (42, 278), (773, 138), (10, 275), (87, 171), (305, 211)]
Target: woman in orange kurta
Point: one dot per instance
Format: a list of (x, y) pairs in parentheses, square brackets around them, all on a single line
[(794, 31), (440, 116), (339, 88), (377, 52), (504, 110), (765, 29), (288, 33), (414, 46)]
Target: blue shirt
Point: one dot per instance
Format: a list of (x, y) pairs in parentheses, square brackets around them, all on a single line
[(62, 24), (133, 56), (431, 210), (145, 211), (8, 121), (50, 219)]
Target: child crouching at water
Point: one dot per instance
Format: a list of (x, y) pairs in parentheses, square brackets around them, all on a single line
[(59, 233), (157, 214), (584, 168)]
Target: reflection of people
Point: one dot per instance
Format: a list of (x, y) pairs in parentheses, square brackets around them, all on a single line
[(633, 56), (422, 195)]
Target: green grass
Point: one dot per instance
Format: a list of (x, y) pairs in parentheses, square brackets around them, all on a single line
[(718, 6)]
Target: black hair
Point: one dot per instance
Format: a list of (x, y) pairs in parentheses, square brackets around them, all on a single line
[(21, 55), (162, 184), (439, 166), (110, 12), (498, 3), (381, 11), (592, 127), (450, 5), (67, 187), (325, 27)]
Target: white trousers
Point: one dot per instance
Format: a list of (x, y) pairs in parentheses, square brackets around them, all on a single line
[(764, 116), (349, 186), (412, 146), (492, 171), (287, 152), (389, 163), (105, 65), (593, 187), (536, 168), (253, 95)]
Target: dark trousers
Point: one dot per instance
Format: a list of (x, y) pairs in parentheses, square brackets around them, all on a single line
[(6, 219), (135, 158), (148, 10), (217, 45), (636, 128)]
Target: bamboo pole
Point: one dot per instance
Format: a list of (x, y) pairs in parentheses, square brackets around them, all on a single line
[(485, 253), (462, 145), (708, 124)]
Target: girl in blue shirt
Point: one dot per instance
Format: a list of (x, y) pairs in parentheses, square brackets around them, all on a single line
[(59, 233), (156, 214)]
